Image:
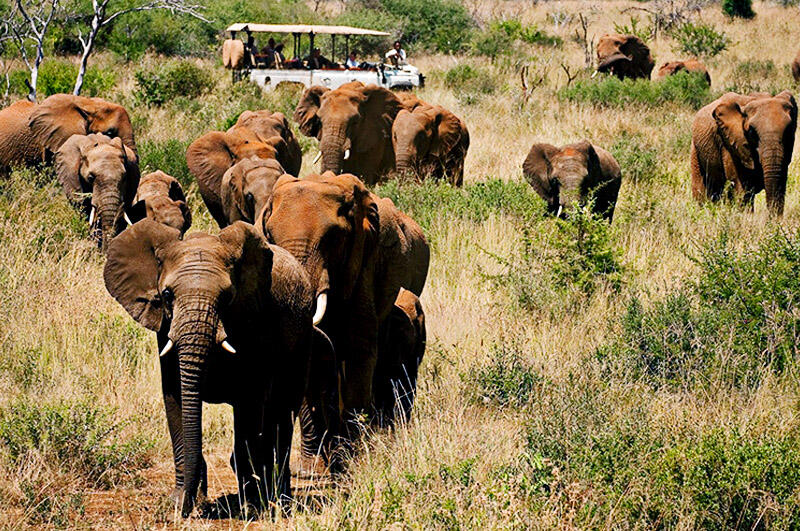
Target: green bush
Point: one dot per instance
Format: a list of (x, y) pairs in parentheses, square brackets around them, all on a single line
[(561, 262), (57, 76), (76, 437), (470, 83), (500, 36), (639, 161), (157, 85), (701, 40), (737, 319), (738, 8), (506, 381), (633, 28), (366, 17), (685, 88), (168, 156), (441, 25)]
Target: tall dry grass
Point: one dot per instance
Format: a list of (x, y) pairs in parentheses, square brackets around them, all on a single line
[(462, 461)]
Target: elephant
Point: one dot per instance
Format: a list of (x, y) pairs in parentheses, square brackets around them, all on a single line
[(748, 141), (267, 125), (353, 124), (430, 140), (232, 54), (625, 56), (31, 133), (247, 186), (160, 198), (100, 175), (796, 67), (233, 320), (402, 346), (359, 250), (690, 65), (570, 175), (211, 155)]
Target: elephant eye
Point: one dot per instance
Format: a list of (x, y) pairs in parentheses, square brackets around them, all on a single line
[(168, 297), (111, 132), (249, 197)]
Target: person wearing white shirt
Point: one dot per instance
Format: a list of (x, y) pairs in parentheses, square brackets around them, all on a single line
[(397, 55), (351, 62)]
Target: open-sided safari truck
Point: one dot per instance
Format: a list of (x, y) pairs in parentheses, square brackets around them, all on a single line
[(269, 70)]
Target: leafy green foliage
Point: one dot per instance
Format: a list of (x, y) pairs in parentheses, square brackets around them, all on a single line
[(157, 85), (701, 40), (638, 160), (441, 25), (500, 36), (79, 435), (738, 8), (506, 381), (470, 83), (736, 320), (57, 76), (685, 88), (633, 28), (168, 156), (562, 262)]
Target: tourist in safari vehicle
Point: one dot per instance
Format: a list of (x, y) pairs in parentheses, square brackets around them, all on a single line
[(308, 66)]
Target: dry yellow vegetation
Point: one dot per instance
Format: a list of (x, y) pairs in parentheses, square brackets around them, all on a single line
[(523, 419)]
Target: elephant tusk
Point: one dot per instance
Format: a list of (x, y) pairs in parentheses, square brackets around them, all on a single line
[(346, 154), (91, 216), (560, 208), (127, 219), (595, 74), (166, 348), (322, 304), (316, 159), (227, 346)]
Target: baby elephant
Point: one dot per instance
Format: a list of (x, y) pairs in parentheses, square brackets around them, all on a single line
[(160, 198), (570, 175), (247, 187), (690, 65), (402, 345), (101, 175), (233, 317), (430, 140)]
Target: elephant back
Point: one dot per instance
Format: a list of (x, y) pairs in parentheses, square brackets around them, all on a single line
[(18, 144)]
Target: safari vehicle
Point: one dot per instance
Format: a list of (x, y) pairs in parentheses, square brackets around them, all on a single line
[(268, 73)]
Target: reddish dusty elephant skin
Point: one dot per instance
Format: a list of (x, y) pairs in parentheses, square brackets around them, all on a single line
[(160, 198), (690, 65), (247, 187), (796, 67), (105, 170), (31, 133), (233, 316), (359, 250), (402, 346), (211, 155), (747, 141), (567, 176), (354, 126), (430, 141), (625, 56), (267, 125)]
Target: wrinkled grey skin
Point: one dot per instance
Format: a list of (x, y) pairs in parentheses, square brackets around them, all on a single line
[(247, 187), (100, 173), (199, 293), (568, 176)]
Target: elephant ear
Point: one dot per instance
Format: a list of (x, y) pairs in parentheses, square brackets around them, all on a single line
[(592, 163), (175, 190), (305, 115), (208, 158), (730, 125), (68, 160), (131, 270), (537, 169), (56, 119), (251, 257), (231, 191), (132, 174), (379, 107), (788, 97), (280, 146)]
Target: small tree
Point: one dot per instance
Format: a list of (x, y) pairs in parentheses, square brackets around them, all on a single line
[(27, 24), (104, 12)]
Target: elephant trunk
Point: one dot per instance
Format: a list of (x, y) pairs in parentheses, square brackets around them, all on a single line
[(405, 162), (772, 163), (333, 146), (109, 209), (194, 336)]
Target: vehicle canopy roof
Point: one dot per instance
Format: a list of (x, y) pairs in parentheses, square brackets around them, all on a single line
[(315, 29)]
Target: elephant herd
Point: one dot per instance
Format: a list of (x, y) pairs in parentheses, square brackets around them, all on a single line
[(305, 306)]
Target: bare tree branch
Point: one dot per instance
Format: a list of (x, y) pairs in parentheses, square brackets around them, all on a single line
[(101, 18), (28, 23)]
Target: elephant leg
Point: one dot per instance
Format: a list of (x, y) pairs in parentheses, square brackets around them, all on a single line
[(359, 370), (319, 413), (249, 459)]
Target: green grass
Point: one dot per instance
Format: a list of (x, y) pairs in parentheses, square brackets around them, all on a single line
[(683, 88)]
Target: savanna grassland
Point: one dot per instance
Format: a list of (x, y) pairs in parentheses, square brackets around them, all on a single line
[(642, 375)]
